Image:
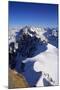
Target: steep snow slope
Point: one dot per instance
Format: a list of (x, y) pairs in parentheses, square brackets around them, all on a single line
[(47, 62)]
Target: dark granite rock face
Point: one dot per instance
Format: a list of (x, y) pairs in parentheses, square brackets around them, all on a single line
[(27, 45)]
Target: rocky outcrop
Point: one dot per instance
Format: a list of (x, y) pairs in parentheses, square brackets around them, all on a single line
[(16, 80)]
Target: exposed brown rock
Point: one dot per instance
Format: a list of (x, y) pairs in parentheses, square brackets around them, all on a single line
[(16, 80)]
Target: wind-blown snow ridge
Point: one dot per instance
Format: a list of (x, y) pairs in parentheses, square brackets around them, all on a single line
[(46, 62)]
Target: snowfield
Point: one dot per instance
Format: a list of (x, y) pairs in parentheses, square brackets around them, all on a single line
[(47, 62)]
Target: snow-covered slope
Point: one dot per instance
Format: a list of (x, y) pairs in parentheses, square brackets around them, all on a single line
[(47, 62)]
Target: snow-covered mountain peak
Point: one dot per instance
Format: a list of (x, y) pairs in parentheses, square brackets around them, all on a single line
[(34, 50), (33, 31)]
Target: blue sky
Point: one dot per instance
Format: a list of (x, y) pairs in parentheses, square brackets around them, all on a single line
[(44, 15)]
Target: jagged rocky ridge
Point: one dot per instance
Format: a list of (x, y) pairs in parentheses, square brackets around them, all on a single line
[(27, 40)]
